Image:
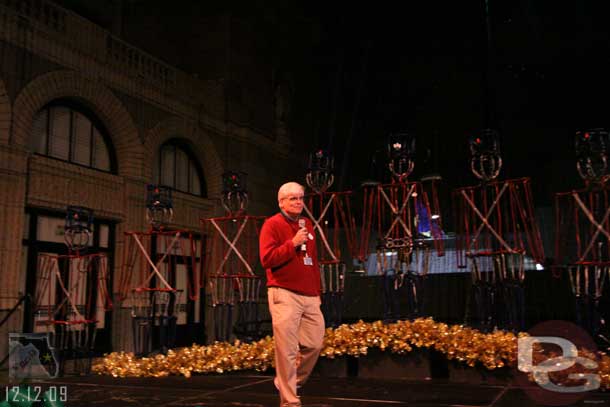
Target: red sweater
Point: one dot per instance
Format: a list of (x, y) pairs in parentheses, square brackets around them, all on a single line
[(283, 262)]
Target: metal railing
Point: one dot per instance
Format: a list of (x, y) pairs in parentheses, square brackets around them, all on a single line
[(26, 298), (48, 29)]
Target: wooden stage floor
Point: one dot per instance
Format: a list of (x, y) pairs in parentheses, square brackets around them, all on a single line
[(257, 390)]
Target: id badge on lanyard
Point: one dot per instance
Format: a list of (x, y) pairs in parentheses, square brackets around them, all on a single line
[(308, 261)]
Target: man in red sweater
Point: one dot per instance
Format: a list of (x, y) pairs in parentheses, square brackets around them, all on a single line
[(288, 254)]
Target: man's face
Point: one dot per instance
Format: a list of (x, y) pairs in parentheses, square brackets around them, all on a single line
[(292, 202)]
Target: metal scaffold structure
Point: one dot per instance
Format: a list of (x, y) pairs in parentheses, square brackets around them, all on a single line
[(496, 230), (405, 217), (330, 214), (230, 264), (72, 292), (159, 265), (582, 239)]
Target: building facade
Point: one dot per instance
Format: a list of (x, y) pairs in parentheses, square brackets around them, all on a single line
[(87, 119)]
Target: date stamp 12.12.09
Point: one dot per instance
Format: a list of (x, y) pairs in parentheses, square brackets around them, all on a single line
[(30, 394)]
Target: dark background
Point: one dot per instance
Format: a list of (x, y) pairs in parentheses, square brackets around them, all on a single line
[(536, 70)]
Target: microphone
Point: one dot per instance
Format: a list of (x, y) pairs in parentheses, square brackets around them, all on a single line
[(302, 225)]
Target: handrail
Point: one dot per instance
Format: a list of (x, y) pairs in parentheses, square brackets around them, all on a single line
[(6, 317), (25, 297)]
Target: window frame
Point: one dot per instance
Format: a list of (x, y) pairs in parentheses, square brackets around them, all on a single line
[(178, 144), (96, 124)]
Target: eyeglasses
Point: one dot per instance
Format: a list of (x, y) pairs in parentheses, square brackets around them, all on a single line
[(294, 198)]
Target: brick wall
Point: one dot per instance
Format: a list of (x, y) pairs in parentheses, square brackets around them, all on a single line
[(5, 114), (12, 198), (12, 203)]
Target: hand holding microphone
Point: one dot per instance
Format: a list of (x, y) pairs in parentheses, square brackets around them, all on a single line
[(301, 236)]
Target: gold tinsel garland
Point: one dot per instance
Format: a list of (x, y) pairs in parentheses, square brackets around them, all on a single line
[(464, 344)]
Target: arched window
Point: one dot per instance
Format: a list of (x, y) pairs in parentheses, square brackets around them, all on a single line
[(65, 130), (178, 168)]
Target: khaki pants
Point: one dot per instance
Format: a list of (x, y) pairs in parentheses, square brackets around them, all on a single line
[(298, 332)]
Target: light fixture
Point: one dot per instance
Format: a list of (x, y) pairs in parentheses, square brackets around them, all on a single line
[(485, 158), (235, 192), (159, 205), (320, 169), (401, 155), (592, 153)]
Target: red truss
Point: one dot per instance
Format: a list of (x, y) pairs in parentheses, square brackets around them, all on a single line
[(230, 262), (393, 210), (82, 284), (582, 227), (330, 212), (141, 273), (496, 218), (233, 245)]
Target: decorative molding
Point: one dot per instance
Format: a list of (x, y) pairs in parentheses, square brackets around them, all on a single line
[(70, 84), (57, 184)]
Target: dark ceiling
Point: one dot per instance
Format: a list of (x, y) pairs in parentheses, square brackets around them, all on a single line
[(536, 70)]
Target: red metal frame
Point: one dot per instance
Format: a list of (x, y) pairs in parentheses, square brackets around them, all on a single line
[(233, 252), (140, 273), (331, 210), (50, 263), (504, 210), (581, 217), (393, 208), (233, 247)]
